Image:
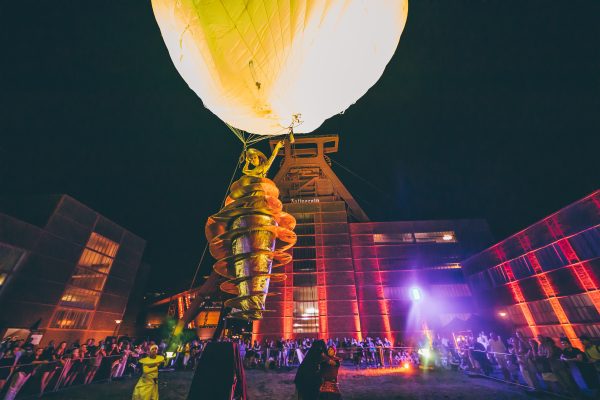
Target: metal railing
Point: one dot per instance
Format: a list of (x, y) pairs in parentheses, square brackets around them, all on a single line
[(553, 375), (360, 357), (40, 377), (570, 378)]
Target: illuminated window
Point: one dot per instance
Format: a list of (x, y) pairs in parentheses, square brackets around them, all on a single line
[(306, 309), (85, 286), (208, 319), (389, 238), (88, 278), (9, 258), (102, 245), (71, 319), (435, 237), (79, 298)]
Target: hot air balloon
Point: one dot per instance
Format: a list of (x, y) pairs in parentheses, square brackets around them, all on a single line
[(265, 66)]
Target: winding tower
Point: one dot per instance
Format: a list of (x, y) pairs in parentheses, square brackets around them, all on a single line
[(316, 300)]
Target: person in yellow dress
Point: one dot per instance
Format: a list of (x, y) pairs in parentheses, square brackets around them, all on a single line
[(147, 386)]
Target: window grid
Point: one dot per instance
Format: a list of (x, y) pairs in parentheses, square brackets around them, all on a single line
[(86, 283), (71, 319)]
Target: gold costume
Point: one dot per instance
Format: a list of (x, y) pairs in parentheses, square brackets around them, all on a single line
[(259, 161), (147, 386)]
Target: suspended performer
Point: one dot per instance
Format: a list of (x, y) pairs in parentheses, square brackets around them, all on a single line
[(259, 161), (147, 386)]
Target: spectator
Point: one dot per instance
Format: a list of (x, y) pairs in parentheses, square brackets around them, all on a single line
[(7, 364), (558, 367), (187, 352), (93, 362), (542, 363), (570, 353), (26, 366), (525, 360), (75, 365), (498, 350), (592, 351), (479, 357), (483, 339)]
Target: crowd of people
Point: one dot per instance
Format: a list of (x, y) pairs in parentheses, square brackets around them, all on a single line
[(367, 353), (56, 366), (539, 363)]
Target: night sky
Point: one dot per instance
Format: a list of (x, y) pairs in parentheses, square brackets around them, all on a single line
[(489, 109)]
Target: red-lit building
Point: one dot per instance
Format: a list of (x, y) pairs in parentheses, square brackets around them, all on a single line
[(66, 272), (546, 278), (350, 277)]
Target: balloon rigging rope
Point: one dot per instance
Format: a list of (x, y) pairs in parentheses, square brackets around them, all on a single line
[(250, 139), (237, 166), (358, 176)]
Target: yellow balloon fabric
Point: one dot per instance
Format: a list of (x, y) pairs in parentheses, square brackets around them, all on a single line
[(257, 64)]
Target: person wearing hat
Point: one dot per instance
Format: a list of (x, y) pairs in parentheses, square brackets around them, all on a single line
[(147, 386)]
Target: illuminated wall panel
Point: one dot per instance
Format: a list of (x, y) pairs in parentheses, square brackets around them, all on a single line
[(551, 270), (341, 293)]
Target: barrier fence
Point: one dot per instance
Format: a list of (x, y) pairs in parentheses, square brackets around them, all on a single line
[(555, 375), (558, 376), (38, 378), (359, 356)]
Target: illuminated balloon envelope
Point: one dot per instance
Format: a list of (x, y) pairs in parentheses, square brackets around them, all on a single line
[(263, 65)]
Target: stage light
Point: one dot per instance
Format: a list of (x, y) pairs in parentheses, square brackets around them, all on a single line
[(415, 293), (117, 321), (425, 352), (447, 237), (503, 314), (170, 354), (406, 365)]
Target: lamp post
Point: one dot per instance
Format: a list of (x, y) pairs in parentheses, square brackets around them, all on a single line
[(117, 325)]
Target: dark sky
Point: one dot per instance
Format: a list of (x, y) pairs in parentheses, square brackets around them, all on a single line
[(488, 109)]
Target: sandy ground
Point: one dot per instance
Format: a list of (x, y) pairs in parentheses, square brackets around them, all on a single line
[(355, 385)]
